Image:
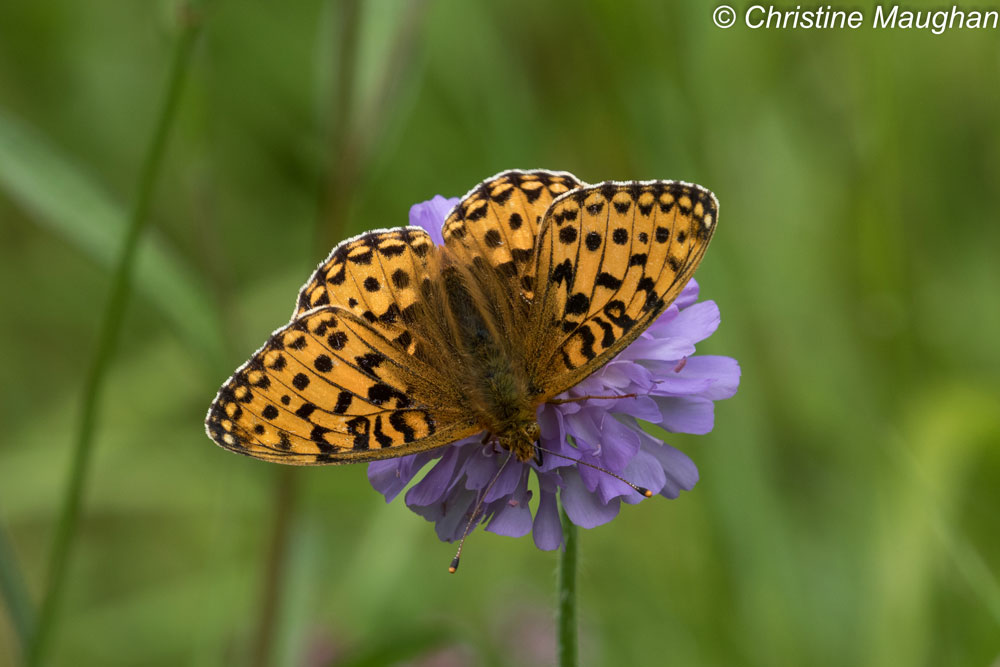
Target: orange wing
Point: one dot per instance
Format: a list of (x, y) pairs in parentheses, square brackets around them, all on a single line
[(613, 257), (332, 388), (497, 223)]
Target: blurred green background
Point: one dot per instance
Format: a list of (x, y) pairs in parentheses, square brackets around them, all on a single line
[(847, 510)]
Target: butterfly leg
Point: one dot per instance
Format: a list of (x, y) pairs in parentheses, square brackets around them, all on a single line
[(538, 455), (491, 439)]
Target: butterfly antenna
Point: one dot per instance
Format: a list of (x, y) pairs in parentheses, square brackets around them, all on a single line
[(577, 399), (640, 489), (475, 512)]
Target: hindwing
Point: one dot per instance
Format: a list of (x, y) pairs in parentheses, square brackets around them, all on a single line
[(330, 387)]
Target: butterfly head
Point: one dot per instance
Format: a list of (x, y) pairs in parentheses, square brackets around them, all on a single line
[(521, 439)]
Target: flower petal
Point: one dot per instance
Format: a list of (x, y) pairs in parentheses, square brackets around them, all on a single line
[(455, 515), (672, 383), (513, 518), (385, 477), (391, 476), (582, 507), (686, 414), (507, 479), (724, 373), (663, 347), (618, 444), (688, 295), (481, 467), (644, 470), (584, 430), (436, 484), (431, 215), (643, 407), (695, 323), (681, 472), (547, 529)]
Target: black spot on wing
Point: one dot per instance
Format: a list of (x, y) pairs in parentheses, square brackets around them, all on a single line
[(502, 196), (577, 304), (522, 255), (381, 438), (323, 363), (615, 311), (337, 340), (391, 250), (369, 361), (493, 239), (400, 278), (344, 399), (360, 428), (608, 339), (306, 409), (477, 214), (605, 279), (563, 273), (338, 277)]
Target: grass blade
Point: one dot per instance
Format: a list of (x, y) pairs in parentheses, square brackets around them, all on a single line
[(60, 197), (107, 342)]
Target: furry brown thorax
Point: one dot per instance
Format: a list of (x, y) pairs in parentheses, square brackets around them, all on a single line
[(497, 382)]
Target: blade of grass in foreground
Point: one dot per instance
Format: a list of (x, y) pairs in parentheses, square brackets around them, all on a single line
[(108, 339), (15, 592)]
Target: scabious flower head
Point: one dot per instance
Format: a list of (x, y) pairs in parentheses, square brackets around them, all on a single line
[(674, 389)]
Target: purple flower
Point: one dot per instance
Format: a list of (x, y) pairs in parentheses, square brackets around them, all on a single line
[(675, 390)]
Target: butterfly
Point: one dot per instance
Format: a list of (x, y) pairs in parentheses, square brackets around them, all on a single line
[(398, 345)]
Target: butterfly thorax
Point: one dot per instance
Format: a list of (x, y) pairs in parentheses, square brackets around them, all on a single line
[(500, 394)]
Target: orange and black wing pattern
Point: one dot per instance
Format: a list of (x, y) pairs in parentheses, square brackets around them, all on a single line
[(610, 258)]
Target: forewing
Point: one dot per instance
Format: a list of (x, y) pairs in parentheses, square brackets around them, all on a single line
[(331, 387), (613, 257), (498, 221), (375, 275)]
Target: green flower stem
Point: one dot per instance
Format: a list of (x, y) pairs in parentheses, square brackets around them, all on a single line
[(568, 649), (108, 340)]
